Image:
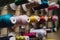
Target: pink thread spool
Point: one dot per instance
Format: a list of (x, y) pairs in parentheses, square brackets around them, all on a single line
[(32, 34), (53, 7), (54, 18), (21, 20)]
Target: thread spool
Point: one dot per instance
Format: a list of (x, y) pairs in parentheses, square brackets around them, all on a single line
[(44, 3), (49, 18), (39, 31), (31, 35), (20, 37), (25, 19), (13, 6), (34, 19), (54, 7), (42, 19), (54, 18), (22, 19), (6, 20)]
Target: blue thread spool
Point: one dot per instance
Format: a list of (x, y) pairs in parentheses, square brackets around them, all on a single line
[(5, 20), (44, 3)]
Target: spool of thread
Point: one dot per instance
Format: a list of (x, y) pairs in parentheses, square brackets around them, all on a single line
[(49, 18), (54, 18), (13, 6), (42, 19), (20, 2), (34, 19), (22, 19), (25, 19), (44, 3), (6, 20), (31, 35), (39, 31), (20, 37), (54, 7)]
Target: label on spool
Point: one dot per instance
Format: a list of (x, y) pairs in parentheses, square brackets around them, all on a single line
[(13, 20), (28, 20)]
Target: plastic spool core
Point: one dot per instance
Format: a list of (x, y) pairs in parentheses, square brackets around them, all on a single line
[(13, 20), (28, 20)]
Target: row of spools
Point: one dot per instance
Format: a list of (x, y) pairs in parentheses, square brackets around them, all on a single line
[(8, 20)]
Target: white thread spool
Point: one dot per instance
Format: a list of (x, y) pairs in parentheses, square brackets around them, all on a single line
[(39, 31), (13, 20)]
